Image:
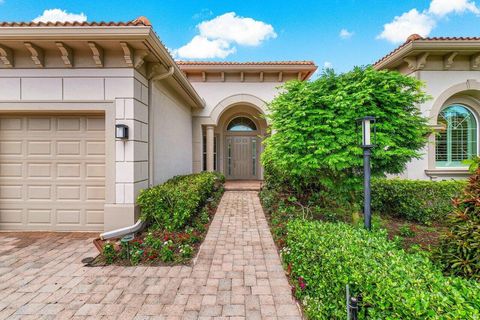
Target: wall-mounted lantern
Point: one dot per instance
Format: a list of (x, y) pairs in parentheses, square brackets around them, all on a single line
[(121, 131), (368, 123)]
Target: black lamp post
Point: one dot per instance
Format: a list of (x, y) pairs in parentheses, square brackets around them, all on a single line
[(367, 124)]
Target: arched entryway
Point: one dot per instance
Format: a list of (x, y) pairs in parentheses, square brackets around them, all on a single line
[(237, 142)]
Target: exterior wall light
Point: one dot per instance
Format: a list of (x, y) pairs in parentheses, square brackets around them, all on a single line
[(368, 123), (121, 131)]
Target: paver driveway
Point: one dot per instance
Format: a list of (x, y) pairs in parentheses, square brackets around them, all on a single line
[(237, 275)]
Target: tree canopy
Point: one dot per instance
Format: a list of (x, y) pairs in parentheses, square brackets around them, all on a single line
[(315, 137)]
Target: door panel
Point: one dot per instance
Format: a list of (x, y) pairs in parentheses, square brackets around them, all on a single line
[(241, 157)]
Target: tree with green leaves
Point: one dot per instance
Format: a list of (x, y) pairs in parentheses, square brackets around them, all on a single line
[(315, 142)]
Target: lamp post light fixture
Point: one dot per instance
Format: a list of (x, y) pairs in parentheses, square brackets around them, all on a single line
[(367, 124)]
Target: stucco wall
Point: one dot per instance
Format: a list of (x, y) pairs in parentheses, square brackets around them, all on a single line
[(215, 92), (171, 122), (126, 93)]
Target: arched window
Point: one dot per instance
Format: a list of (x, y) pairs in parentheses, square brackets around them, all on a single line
[(458, 141), (241, 124)]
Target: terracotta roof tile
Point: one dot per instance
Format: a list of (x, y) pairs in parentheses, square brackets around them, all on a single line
[(416, 37), (253, 63), (140, 21)]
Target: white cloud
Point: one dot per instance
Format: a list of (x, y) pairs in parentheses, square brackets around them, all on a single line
[(217, 37), (443, 7), (408, 23), (328, 65), (203, 48), (345, 34), (233, 28), (424, 22), (60, 15)]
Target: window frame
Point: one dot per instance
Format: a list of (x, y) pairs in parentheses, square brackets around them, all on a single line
[(227, 128), (449, 164)]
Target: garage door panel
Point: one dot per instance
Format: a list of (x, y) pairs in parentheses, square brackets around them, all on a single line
[(69, 217), (39, 148), (69, 148), (69, 124), (95, 124), (11, 170), (11, 192), (95, 193), (68, 193), (68, 170), (39, 170), (11, 124), (39, 216), (52, 172), (11, 148), (39, 192), (11, 216), (95, 170), (39, 124), (95, 148)]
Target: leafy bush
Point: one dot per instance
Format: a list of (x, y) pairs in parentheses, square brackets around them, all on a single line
[(109, 252), (460, 246), (415, 200), (324, 257), (316, 142), (172, 204)]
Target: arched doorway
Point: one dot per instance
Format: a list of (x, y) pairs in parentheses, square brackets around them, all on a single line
[(242, 142)]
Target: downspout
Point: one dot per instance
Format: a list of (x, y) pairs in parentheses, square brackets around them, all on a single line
[(139, 225), (153, 78)]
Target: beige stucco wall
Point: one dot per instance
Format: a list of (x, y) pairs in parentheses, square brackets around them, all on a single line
[(171, 121), (121, 93), (214, 92), (444, 87)]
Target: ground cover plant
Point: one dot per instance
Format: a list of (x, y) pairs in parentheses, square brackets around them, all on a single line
[(312, 197), (178, 213), (324, 257)]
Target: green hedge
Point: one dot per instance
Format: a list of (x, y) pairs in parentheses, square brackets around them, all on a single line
[(172, 204), (415, 200), (325, 257)]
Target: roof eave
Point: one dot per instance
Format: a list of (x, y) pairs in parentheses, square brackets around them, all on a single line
[(73, 32), (141, 33), (165, 56), (425, 45)]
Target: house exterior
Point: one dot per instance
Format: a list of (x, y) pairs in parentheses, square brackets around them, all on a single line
[(68, 91), (450, 69), (92, 113)]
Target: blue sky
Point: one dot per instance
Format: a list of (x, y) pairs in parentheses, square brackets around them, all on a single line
[(273, 30)]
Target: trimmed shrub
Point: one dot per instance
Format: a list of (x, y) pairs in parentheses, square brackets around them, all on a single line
[(459, 249), (415, 200), (172, 204), (324, 257)]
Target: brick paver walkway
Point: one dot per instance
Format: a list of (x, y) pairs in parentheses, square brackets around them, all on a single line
[(237, 275)]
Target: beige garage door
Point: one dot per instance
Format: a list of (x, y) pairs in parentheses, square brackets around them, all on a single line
[(52, 172)]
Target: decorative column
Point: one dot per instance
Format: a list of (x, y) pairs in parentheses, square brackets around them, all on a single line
[(210, 132)]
